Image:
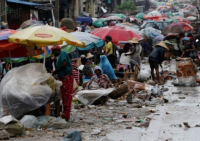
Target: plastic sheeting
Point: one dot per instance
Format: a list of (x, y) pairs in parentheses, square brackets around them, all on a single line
[(21, 90), (88, 97), (106, 67)]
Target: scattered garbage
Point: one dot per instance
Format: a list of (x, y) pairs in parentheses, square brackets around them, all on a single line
[(52, 122), (88, 97), (73, 136), (30, 121), (12, 126)]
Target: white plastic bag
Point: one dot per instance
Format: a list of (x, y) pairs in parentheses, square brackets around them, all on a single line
[(144, 75), (21, 90), (30, 121)]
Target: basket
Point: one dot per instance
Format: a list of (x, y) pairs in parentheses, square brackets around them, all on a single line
[(119, 92)]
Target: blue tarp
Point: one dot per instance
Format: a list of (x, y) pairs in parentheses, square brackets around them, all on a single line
[(83, 20), (24, 2)]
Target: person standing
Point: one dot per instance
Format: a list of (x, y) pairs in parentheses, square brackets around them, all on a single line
[(136, 49), (109, 51), (64, 72), (156, 58)]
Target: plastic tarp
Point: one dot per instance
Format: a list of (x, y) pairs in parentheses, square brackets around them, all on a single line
[(84, 20), (88, 97), (107, 68), (23, 89)]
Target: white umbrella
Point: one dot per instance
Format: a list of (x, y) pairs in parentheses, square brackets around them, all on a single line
[(85, 37), (113, 18)]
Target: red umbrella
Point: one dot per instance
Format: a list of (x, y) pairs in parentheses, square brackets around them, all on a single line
[(153, 15), (117, 33), (176, 28)]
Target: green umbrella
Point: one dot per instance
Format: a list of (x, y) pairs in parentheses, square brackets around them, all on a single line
[(68, 48), (15, 60), (168, 14), (99, 22), (120, 15), (174, 20), (140, 15)]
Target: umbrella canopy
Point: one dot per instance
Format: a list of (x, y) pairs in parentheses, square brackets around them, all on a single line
[(151, 32), (4, 44), (30, 23), (131, 27), (90, 40), (5, 33), (99, 22), (132, 18), (153, 14), (43, 36), (169, 14), (176, 28), (140, 15), (157, 39), (94, 19), (19, 51), (117, 33), (83, 20), (113, 14), (113, 18)]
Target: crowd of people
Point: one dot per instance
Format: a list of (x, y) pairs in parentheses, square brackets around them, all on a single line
[(100, 68)]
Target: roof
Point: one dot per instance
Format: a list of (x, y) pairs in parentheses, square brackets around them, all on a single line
[(24, 2)]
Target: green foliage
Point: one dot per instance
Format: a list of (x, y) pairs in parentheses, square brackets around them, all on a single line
[(127, 5)]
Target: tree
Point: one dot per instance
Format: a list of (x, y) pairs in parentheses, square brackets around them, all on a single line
[(127, 5)]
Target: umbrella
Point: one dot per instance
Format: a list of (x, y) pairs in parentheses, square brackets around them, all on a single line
[(140, 15), (169, 14), (94, 19), (157, 39), (153, 14), (90, 40), (132, 18), (30, 23), (113, 14), (131, 27), (5, 33), (99, 22), (83, 20), (43, 36), (113, 18), (176, 28), (151, 32), (117, 33)]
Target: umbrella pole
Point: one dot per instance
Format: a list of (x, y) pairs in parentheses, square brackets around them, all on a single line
[(78, 66), (44, 61), (10, 59)]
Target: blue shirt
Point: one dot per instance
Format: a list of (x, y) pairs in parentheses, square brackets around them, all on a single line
[(68, 69)]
